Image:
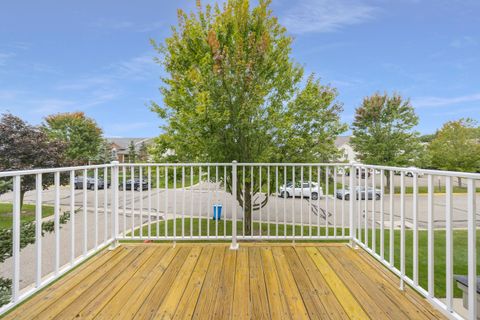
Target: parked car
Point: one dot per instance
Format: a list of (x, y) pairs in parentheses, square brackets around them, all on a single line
[(78, 182), (307, 189), (362, 174), (360, 193), (412, 170), (409, 173), (135, 183)]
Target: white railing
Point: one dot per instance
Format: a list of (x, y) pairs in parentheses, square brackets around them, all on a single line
[(439, 211), (188, 192), (241, 202), (33, 262)]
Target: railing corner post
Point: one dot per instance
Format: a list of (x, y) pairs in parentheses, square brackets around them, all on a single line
[(234, 245), (114, 209), (351, 208)]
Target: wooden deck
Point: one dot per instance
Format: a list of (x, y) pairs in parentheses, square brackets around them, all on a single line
[(209, 281)]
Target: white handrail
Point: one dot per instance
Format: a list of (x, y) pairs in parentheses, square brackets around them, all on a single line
[(255, 190)]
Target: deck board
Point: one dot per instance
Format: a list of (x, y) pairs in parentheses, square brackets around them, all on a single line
[(209, 281)]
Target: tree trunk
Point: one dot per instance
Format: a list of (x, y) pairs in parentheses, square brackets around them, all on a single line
[(22, 196), (247, 206), (459, 182), (387, 186)]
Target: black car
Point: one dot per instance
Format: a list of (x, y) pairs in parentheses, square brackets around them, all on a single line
[(359, 173), (78, 182), (135, 183)]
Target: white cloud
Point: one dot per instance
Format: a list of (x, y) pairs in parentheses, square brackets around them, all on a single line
[(50, 105), (84, 83), (463, 42), (442, 101), (119, 25), (8, 95), (326, 15), (119, 129), (25, 103), (4, 57), (137, 68)]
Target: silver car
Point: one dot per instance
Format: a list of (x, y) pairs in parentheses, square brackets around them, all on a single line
[(306, 189), (360, 193)]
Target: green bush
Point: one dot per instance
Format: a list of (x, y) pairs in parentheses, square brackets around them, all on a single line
[(27, 236)]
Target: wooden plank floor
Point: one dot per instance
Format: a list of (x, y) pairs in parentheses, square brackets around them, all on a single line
[(209, 281)]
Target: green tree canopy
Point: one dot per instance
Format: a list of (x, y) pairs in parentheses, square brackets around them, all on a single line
[(383, 131), (233, 92), (82, 134), (24, 147), (456, 147)]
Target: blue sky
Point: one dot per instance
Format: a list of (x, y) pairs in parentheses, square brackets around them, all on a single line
[(95, 56)]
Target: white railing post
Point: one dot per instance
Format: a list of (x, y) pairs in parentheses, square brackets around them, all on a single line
[(351, 204), (16, 239), (472, 251), (38, 230), (114, 209), (402, 229), (234, 245)]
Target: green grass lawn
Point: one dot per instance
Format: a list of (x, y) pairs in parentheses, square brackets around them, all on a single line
[(27, 214), (460, 256), (436, 189)]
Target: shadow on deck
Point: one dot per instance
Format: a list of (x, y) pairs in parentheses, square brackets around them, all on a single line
[(209, 281)]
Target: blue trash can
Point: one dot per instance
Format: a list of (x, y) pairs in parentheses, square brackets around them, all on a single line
[(217, 212)]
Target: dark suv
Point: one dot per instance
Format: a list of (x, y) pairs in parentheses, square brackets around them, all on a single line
[(360, 173), (135, 183), (78, 182)]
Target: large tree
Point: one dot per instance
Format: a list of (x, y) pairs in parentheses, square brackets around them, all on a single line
[(383, 131), (232, 92), (23, 147), (456, 147), (81, 133)]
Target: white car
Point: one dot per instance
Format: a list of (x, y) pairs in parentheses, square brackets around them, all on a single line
[(306, 189), (410, 173)]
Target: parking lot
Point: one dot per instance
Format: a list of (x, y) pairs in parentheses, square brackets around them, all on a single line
[(198, 201)]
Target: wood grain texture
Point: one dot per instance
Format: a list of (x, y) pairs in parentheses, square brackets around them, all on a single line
[(210, 281)]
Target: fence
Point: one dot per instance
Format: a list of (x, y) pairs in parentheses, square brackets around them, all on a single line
[(396, 214)]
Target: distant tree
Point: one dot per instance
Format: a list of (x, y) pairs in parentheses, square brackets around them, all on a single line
[(81, 133), (456, 147), (310, 124), (383, 131), (233, 92), (105, 154), (132, 152), (143, 152), (23, 147), (426, 138)]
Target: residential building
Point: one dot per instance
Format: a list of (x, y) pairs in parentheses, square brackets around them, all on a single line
[(347, 154), (121, 146)]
